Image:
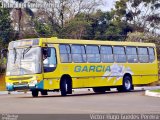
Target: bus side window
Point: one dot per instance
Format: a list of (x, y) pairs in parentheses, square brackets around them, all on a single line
[(93, 55), (119, 54), (106, 54), (151, 54), (78, 53), (65, 53), (143, 54), (131, 53)]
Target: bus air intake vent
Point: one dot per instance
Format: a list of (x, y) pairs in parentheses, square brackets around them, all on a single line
[(20, 78)]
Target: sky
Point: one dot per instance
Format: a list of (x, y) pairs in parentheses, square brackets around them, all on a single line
[(108, 4)]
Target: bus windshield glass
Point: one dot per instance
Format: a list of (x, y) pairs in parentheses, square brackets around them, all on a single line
[(24, 61)]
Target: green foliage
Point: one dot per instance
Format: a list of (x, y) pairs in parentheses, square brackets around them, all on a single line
[(157, 90), (128, 16), (98, 26), (113, 33), (76, 29), (121, 7), (6, 29), (142, 15), (3, 65), (105, 27), (42, 29), (100, 23), (5, 34)]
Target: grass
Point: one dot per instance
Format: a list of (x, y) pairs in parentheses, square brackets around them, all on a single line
[(158, 90)]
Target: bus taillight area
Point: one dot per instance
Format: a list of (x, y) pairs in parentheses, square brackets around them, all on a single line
[(22, 83)]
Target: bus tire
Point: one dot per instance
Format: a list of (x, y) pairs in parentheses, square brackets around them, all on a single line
[(66, 85), (44, 92), (63, 86), (69, 86), (35, 93), (127, 85)]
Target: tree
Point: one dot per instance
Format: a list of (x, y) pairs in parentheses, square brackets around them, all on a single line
[(64, 14), (6, 29), (142, 15), (100, 22), (22, 19), (76, 28), (65, 10), (19, 15), (42, 29), (104, 27), (6, 32)]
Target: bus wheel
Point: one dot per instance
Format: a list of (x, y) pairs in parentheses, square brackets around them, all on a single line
[(63, 87), (44, 92), (69, 86), (127, 85), (35, 93), (99, 89), (66, 86)]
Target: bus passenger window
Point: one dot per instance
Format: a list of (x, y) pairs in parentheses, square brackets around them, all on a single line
[(106, 54), (49, 62), (93, 55), (131, 53), (78, 53), (119, 54), (65, 54), (151, 54), (143, 54)]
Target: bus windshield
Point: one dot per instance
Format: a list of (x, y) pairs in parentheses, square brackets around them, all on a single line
[(24, 61)]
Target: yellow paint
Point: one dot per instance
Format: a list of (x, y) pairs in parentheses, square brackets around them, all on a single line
[(143, 73), (51, 84)]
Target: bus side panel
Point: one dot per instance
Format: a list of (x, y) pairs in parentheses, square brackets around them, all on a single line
[(148, 73), (83, 76), (51, 84), (78, 82), (93, 75), (107, 81)]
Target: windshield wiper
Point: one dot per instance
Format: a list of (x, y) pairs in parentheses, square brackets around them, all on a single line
[(26, 50), (15, 55)]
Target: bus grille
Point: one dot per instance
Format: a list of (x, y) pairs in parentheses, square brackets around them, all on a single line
[(21, 78), (23, 83)]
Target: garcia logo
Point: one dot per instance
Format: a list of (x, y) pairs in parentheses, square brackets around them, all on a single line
[(92, 68)]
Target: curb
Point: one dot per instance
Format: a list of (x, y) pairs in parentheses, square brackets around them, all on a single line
[(153, 94)]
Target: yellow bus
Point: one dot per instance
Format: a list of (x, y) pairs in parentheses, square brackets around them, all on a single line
[(52, 64)]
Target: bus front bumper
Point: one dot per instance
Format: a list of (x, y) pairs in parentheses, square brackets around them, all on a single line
[(20, 87), (30, 86)]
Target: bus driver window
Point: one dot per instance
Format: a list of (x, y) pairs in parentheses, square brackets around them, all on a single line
[(49, 59)]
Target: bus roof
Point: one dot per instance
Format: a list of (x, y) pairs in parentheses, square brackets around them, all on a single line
[(93, 42), (53, 40)]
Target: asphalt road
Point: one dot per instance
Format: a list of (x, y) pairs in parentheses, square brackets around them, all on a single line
[(81, 102)]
